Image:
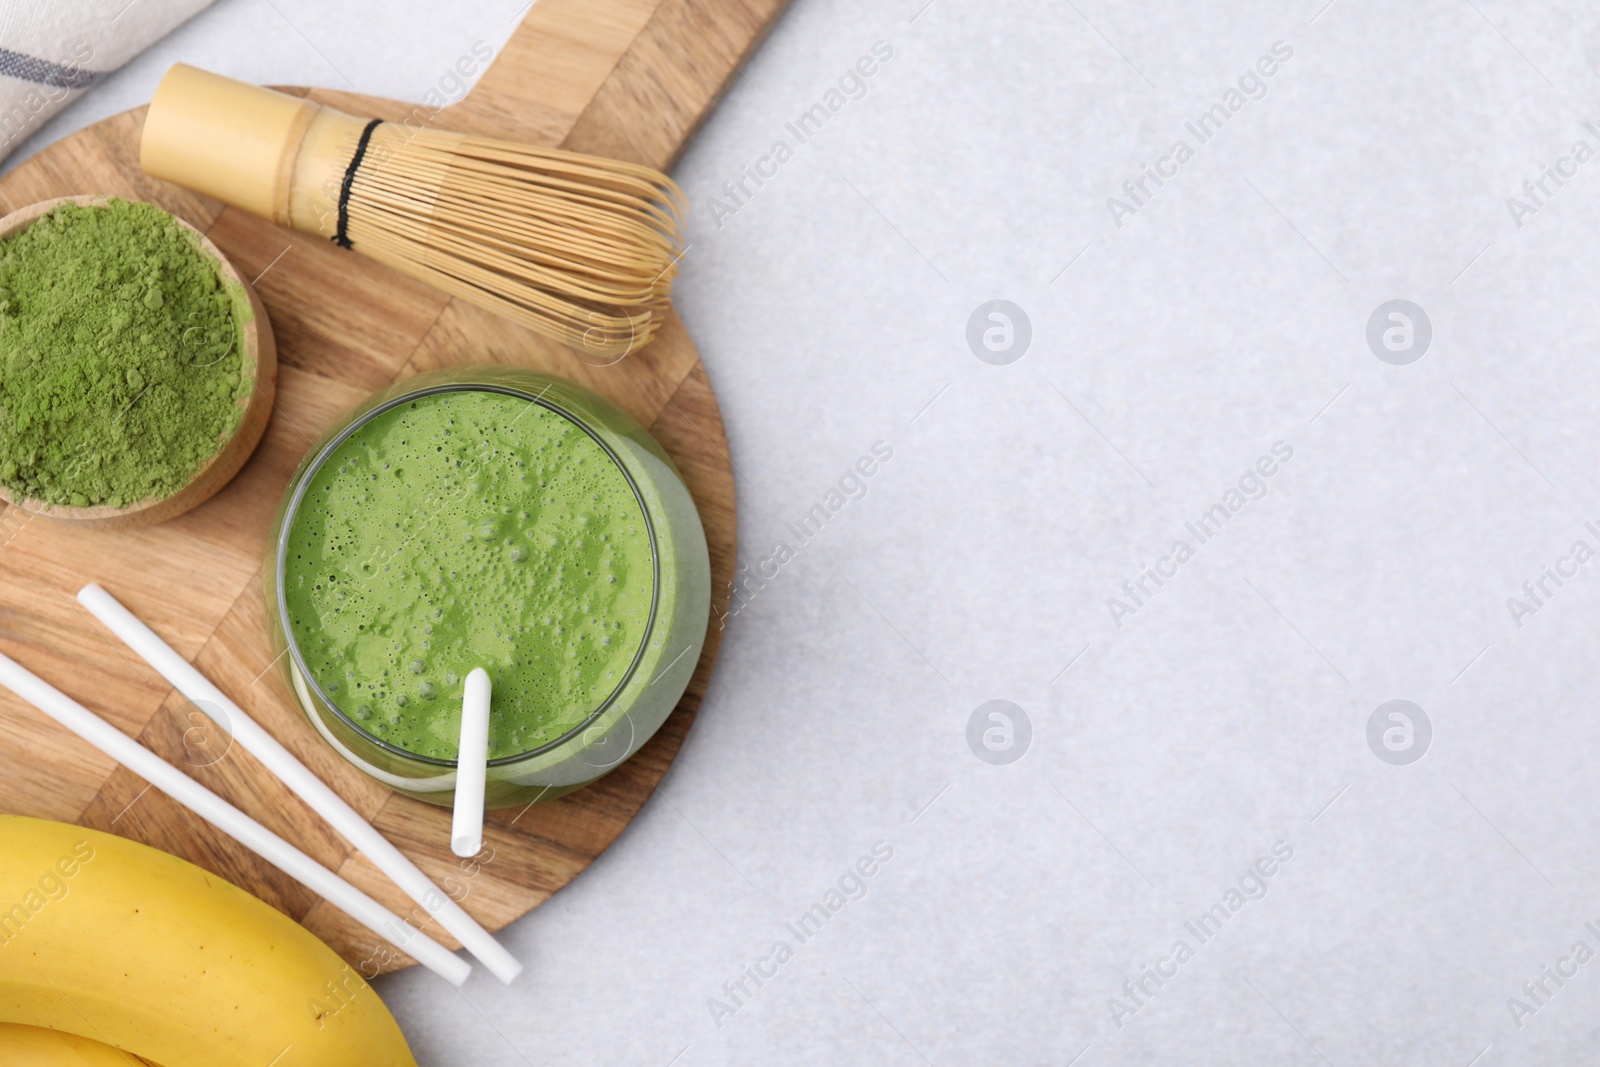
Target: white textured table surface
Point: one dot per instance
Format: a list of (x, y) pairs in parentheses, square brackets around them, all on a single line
[(1201, 723)]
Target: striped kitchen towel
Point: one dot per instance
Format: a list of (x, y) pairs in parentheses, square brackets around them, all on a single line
[(53, 50)]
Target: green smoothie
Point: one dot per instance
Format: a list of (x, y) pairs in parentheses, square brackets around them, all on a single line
[(462, 529)]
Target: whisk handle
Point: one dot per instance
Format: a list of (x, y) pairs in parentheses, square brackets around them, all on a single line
[(224, 138)]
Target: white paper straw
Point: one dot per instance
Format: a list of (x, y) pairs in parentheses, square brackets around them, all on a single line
[(472, 764), (230, 820), (307, 786)]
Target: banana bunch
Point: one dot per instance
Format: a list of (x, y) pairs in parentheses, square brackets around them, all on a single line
[(30, 1046), (112, 941)]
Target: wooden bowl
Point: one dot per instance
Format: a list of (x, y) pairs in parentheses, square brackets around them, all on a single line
[(259, 361)]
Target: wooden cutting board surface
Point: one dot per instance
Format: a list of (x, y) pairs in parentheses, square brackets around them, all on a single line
[(625, 78)]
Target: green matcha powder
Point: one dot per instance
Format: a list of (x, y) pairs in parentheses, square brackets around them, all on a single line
[(119, 357)]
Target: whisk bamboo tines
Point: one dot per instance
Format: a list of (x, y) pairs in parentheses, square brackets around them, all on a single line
[(580, 248)]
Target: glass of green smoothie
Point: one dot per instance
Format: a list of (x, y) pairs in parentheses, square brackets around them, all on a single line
[(488, 517)]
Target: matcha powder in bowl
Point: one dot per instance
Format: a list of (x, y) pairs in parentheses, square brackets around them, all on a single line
[(129, 359)]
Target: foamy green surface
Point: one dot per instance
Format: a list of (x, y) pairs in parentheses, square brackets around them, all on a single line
[(468, 529)]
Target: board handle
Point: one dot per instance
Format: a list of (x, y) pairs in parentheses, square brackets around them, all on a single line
[(548, 72), (651, 71)]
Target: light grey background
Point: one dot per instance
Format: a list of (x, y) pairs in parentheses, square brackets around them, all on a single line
[(1230, 711)]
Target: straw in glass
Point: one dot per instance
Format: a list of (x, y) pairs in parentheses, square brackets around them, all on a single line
[(472, 765)]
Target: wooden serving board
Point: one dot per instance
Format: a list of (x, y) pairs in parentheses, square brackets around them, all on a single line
[(626, 78)]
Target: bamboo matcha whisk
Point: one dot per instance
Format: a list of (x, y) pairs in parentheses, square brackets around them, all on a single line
[(579, 248)]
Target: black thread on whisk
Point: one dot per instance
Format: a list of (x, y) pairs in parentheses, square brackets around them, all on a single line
[(341, 238)]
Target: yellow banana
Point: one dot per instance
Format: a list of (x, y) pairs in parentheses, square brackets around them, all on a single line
[(111, 940), (32, 1046)]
